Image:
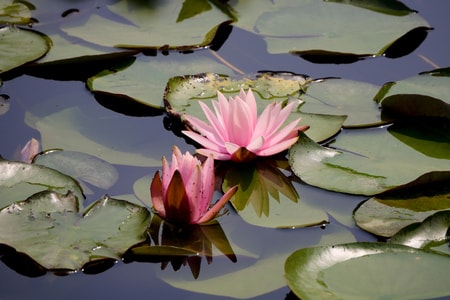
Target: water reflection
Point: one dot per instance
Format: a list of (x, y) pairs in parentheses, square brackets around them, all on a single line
[(181, 246)]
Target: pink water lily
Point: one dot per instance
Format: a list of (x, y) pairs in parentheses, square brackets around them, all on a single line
[(236, 132), (183, 194)]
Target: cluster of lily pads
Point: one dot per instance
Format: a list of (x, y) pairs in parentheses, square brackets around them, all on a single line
[(390, 144)]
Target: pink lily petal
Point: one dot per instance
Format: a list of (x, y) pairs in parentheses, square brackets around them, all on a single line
[(156, 192), (216, 155), (205, 142), (213, 211)]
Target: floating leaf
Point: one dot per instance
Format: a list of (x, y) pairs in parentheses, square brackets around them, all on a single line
[(147, 25), (334, 96), (343, 29), (19, 180), (183, 94), (387, 213), (433, 231), (14, 12), (20, 46), (81, 166), (368, 162), (48, 228), (424, 95), (265, 197), (144, 80), (367, 271)]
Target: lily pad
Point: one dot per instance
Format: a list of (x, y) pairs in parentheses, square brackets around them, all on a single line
[(82, 166), (390, 7), (367, 162), (343, 29), (367, 271), (266, 197), (432, 232), (144, 81), (183, 94), (389, 212), (424, 95), (145, 25), (48, 228), (334, 96), (19, 180), (14, 12), (20, 46)]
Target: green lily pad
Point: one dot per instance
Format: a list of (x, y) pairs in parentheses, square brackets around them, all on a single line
[(432, 232), (389, 212), (20, 46), (266, 197), (14, 12), (82, 166), (424, 95), (343, 29), (183, 94), (19, 180), (148, 26), (367, 271), (144, 81), (48, 228), (334, 96), (368, 162)]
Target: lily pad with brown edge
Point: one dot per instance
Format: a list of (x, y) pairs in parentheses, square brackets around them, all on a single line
[(365, 162), (266, 197), (431, 233), (20, 46), (14, 12), (387, 213), (424, 95), (367, 271), (20, 180), (183, 94), (145, 79), (49, 228)]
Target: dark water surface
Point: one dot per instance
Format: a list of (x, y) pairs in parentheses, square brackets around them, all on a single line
[(140, 280)]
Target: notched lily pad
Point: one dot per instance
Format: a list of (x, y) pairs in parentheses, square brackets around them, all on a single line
[(183, 94), (49, 229), (364, 162), (367, 271), (19, 180), (387, 213)]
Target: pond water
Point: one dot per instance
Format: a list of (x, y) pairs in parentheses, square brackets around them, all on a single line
[(140, 280)]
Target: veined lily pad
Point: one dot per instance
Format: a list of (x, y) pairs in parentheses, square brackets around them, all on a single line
[(367, 271), (432, 232), (366, 163), (425, 95), (266, 197), (184, 93), (20, 46), (48, 228), (81, 166), (19, 180), (387, 213)]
